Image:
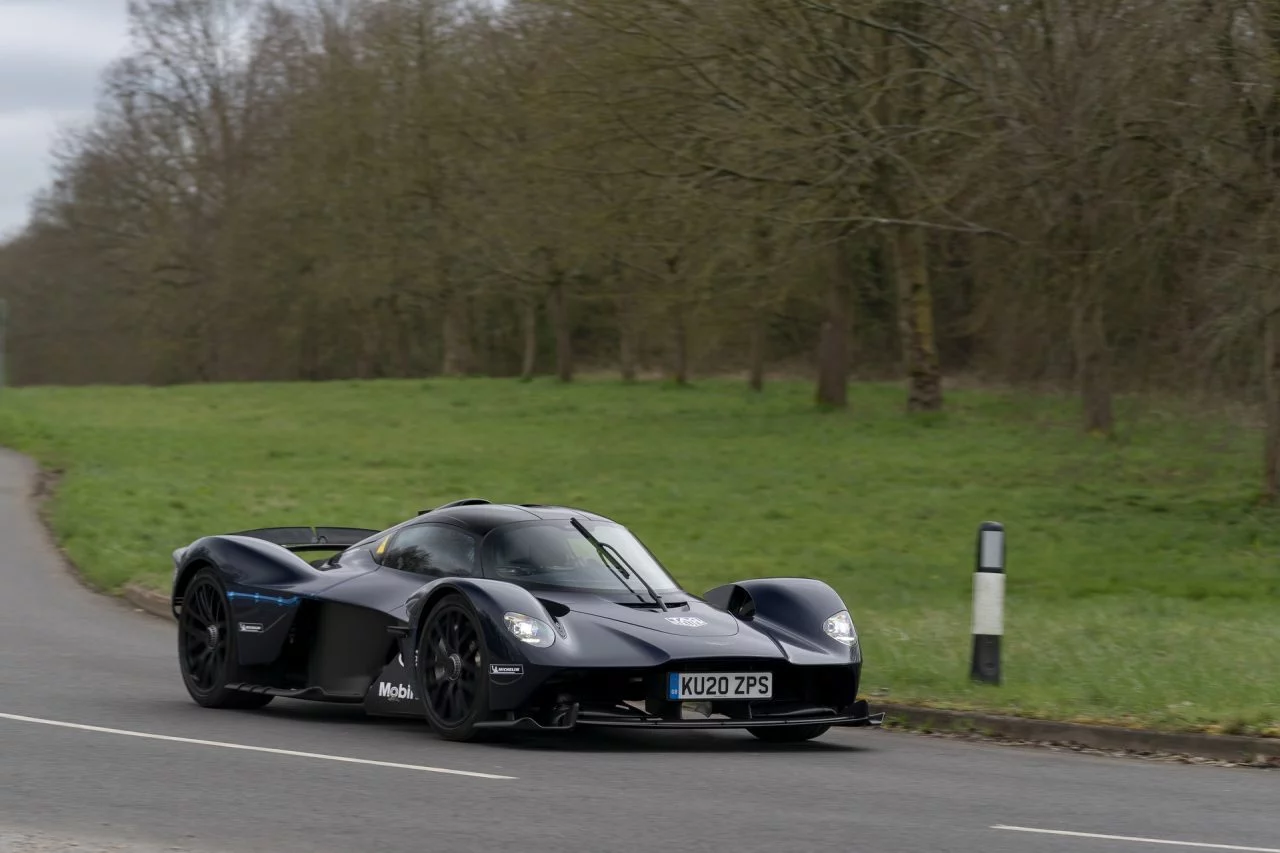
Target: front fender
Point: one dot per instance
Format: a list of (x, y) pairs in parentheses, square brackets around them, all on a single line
[(792, 611), (491, 598)]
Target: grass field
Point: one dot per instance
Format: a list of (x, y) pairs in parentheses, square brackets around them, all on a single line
[(1144, 582)]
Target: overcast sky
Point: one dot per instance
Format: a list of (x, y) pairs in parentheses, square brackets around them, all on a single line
[(51, 53)]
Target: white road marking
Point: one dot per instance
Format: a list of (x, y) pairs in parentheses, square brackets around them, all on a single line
[(148, 735), (1138, 839)]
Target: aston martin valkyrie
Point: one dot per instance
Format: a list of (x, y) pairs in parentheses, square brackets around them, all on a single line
[(480, 616)]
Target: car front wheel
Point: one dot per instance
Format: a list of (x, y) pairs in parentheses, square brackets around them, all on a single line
[(452, 661)]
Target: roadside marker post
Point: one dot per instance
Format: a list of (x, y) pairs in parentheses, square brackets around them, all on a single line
[(988, 603)]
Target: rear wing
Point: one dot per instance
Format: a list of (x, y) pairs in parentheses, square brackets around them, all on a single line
[(311, 538)]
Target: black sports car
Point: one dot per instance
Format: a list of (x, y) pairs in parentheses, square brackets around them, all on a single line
[(481, 616)]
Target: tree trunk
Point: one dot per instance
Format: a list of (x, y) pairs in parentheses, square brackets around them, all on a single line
[(679, 346), (308, 342), (627, 353), (456, 335), (626, 338), (562, 329), (909, 252), (1271, 380), (759, 316), (759, 329), (1093, 369), (529, 330), (833, 341)]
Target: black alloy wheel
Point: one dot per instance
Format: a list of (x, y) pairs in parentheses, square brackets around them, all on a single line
[(206, 646), (452, 660)]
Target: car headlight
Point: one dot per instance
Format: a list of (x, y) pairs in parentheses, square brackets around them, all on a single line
[(840, 627), (529, 630)]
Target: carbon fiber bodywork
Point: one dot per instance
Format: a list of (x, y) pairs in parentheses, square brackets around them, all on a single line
[(348, 629)]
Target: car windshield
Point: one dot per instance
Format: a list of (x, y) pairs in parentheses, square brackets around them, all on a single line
[(554, 553)]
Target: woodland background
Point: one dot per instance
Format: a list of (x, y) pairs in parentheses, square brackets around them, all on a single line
[(1081, 193)]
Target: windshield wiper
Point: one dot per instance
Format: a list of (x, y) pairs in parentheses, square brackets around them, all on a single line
[(605, 546), (611, 557), (618, 571)]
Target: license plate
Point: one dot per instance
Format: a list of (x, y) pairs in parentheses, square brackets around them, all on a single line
[(719, 685)]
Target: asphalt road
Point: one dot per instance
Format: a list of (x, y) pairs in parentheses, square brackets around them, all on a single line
[(148, 770)]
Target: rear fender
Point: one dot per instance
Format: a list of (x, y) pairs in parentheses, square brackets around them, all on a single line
[(260, 578), (792, 611), (242, 560)]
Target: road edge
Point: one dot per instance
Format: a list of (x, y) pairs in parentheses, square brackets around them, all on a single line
[(148, 600), (1233, 749)]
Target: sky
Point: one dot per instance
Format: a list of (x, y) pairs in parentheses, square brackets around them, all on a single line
[(51, 55)]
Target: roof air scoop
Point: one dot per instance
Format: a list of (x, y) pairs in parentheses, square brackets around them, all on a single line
[(451, 504)]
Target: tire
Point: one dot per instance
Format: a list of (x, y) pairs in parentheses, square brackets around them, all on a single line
[(451, 662), (789, 734), (207, 646)]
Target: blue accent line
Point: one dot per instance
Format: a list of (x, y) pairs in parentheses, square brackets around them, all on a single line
[(673, 685), (271, 599)]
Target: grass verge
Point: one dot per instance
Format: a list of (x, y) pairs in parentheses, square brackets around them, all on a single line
[(1143, 581)]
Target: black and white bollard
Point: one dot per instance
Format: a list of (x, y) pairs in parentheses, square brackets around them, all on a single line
[(988, 603)]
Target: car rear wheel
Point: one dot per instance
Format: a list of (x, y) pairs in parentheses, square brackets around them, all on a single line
[(206, 646), (452, 660), (789, 734)]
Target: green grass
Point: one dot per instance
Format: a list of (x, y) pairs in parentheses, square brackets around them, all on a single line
[(1143, 578)]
